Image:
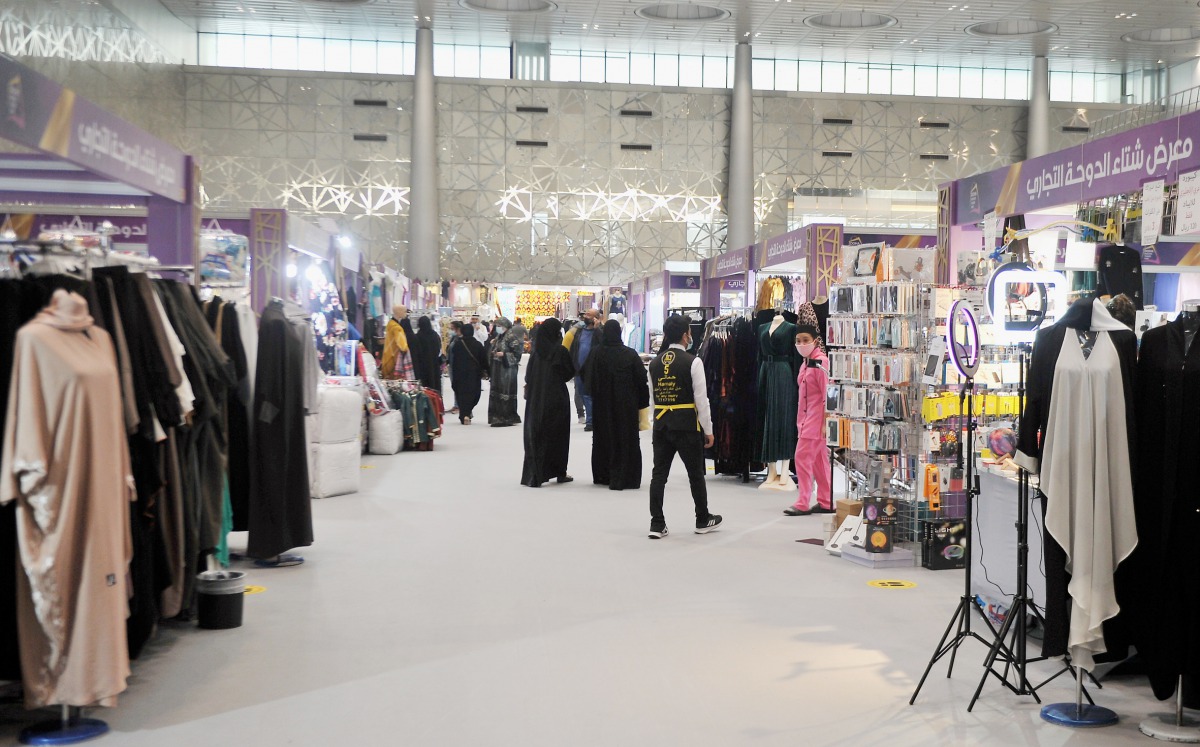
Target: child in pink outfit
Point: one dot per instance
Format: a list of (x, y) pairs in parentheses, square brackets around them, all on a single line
[(812, 456)]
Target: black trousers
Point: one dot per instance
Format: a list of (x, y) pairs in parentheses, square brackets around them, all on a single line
[(690, 447)]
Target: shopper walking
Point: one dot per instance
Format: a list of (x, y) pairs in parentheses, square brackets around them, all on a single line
[(682, 424), (467, 365), (427, 355), (586, 339), (397, 358), (812, 455), (617, 380), (547, 408), (505, 363)]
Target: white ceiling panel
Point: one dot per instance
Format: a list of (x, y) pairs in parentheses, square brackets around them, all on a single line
[(928, 31)]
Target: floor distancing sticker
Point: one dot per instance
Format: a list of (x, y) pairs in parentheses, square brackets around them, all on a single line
[(255, 589), (892, 584)]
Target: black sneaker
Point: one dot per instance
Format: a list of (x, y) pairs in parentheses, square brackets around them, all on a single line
[(588, 428), (657, 534), (713, 522)]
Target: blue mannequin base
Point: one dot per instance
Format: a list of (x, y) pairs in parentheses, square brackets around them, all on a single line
[(56, 732), (1076, 717)]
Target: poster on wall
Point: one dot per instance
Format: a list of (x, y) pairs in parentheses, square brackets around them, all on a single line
[(1152, 211), (913, 265), (1187, 219)]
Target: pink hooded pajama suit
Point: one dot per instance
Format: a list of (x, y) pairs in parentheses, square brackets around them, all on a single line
[(812, 455)]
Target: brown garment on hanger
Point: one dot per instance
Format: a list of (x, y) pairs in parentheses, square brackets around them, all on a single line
[(68, 469)]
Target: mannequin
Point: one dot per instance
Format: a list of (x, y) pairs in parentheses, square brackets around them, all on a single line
[(616, 306), (1168, 403), (778, 394)]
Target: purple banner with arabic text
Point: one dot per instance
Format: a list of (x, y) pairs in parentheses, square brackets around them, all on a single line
[(732, 262), (38, 113), (1103, 168), (789, 247)]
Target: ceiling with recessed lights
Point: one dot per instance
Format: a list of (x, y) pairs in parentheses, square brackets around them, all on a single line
[(1103, 35)]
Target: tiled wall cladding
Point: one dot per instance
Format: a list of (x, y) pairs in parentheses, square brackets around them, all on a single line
[(580, 209)]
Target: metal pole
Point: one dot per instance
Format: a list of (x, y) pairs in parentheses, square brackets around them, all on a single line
[(424, 244), (739, 198)]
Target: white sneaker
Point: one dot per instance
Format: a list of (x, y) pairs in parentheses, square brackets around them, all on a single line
[(582, 420)]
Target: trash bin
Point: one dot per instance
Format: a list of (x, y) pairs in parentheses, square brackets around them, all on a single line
[(220, 596)]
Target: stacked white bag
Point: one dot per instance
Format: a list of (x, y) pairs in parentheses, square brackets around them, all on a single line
[(337, 451)]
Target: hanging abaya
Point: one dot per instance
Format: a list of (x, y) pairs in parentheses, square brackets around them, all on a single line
[(617, 380), (506, 365), (547, 408), (427, 354), (466, 372)]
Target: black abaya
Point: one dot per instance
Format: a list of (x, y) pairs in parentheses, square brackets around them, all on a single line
[(1168, 508), (547, 408), (505, 362), (615, 376), (280, 505), (426, 355), (466, 372)]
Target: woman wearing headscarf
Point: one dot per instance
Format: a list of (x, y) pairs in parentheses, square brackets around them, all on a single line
[(615, 376), (506, 363), (466, 372), (547, 408), (427, 355)]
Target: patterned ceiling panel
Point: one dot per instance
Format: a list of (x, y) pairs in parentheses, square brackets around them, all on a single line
[(926, 33)]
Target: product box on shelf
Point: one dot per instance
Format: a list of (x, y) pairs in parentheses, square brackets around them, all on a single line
[(879, 539), (880, 511), (944, 544), (847, 507)]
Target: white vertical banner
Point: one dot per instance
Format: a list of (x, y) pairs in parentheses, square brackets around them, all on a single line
[(1152, 211), (1187, 213), (991, 230)]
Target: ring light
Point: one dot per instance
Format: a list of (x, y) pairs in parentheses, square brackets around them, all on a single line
[(965, 354), (1052, 289)]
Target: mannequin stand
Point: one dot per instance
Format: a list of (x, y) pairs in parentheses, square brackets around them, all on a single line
[(777, 478), (72, 728), (1079, 715), (960, 621), (1173, 727)]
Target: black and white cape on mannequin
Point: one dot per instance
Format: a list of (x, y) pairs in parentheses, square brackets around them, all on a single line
[(1077, 434)]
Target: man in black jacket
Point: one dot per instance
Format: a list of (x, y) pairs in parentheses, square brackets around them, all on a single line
[(586, 339), (682, 424)]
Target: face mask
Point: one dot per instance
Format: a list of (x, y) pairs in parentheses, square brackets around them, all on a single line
[(806, 349), (499, 330)]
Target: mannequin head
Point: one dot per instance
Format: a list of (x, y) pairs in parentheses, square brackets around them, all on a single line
[(399, 312)]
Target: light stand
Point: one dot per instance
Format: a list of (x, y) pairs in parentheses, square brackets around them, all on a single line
[(1016, 625), (966, 361)]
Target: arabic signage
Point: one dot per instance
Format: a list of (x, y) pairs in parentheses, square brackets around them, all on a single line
[(789, 247), (125, 229), (732, 262), (1103, 168), (733, 285), (39, 113)]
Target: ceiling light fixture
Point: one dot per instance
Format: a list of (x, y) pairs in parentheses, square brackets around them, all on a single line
[(507, 7), (682, 13), (850, 21), (1012, 28), (1165, 36)]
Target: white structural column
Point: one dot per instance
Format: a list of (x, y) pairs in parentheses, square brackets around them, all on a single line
[(1039, 109), (424, 243), (739, 195)]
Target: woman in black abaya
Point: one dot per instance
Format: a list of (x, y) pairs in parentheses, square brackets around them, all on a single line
[(427, 355), (547, 408), (467, 365), (617, 380)]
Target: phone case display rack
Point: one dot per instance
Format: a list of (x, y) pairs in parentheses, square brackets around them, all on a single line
[(877, 335)]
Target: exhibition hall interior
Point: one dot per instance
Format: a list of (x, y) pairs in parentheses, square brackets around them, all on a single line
[(846, 347)]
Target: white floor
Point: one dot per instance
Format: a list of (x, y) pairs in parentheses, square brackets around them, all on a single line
[(445, 604)]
